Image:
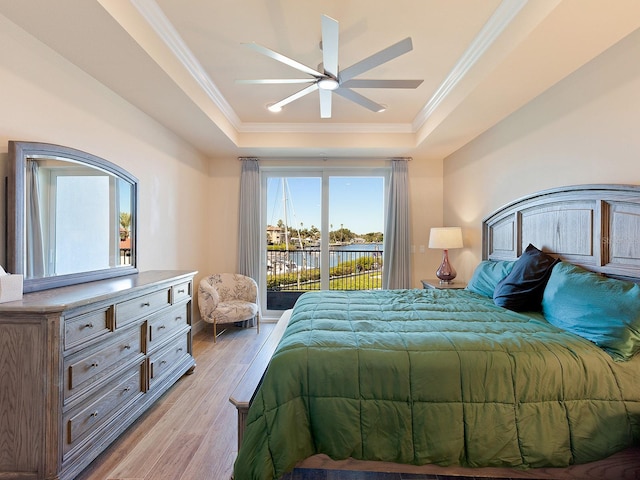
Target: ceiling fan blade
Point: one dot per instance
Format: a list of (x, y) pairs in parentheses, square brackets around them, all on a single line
[(266, 81), (376, 59), (330, 45), (359, 99), (295, 96), (355, 83), (286, 60), (325, 103)]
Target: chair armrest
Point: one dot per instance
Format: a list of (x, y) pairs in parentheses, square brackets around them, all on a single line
[(208, 298)]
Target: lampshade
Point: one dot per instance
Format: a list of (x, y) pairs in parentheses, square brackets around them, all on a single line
[(445, 238)]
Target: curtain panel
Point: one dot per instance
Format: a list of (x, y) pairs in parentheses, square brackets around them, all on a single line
[(397, 235), (35, 265), (250, 239)]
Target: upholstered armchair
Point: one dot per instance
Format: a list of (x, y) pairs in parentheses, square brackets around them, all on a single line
[(228, 298)]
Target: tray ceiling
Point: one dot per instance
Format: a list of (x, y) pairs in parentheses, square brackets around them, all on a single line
[(179, 62)]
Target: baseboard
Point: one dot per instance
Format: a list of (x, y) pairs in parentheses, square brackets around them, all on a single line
[(197, 326)]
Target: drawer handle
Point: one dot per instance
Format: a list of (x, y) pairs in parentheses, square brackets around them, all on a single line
[(179, 349), (162, 362), (146, 304), (94, 364), (89, 325), (178, 318), (161, 327), (126, 389), (94, 414), (127, 347), (181, 290)]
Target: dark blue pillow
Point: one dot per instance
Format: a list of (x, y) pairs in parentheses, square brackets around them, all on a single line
[(521, 290)]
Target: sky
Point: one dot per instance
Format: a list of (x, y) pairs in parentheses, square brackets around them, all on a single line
[(356, 203)]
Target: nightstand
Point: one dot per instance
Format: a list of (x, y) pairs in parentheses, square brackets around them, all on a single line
[(435, 283)]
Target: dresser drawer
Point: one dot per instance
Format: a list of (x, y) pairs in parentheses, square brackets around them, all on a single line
[(81, 422), (88, 367), (131, 310), (164, 324), (180, 292), (164, 360), (86, 327)]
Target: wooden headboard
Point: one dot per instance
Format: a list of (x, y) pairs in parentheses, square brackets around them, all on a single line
[(594, 226)]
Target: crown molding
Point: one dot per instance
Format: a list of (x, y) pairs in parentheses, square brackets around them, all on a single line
[(155, 17), (501, 17), (359, 128)]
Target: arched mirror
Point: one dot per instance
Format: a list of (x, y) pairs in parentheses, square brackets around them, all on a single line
[(71, 216)]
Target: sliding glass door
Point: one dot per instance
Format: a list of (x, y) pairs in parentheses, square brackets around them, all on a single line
[(323, 230)]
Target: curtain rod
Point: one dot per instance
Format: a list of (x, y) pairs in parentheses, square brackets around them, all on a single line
[(326, 158)]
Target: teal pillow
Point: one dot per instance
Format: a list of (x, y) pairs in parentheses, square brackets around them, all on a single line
[(603, 310), (487, 275)]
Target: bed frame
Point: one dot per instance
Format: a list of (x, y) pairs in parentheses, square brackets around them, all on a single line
[(594, 226)]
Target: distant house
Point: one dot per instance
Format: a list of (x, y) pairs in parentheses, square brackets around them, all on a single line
[(274, 235), (125, 251)]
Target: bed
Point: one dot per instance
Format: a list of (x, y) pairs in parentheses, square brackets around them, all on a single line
[(451, 378)]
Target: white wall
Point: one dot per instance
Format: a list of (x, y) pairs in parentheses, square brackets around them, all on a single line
[(425, 194), (583, 130), (46, 99), (222, 217)]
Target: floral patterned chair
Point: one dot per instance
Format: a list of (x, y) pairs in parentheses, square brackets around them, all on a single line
[(228, 298)]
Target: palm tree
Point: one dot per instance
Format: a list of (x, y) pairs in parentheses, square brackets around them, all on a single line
[(125, 225)]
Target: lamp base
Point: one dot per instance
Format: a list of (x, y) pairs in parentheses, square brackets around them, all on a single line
[(446, 273)]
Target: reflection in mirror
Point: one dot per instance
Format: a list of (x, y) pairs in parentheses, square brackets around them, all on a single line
[(72, 208), (74, 215)]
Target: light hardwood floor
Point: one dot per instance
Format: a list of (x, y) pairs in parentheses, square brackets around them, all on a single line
[(191, 432)]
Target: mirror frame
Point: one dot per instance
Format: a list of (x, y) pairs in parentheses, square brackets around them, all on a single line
[(19, 152)]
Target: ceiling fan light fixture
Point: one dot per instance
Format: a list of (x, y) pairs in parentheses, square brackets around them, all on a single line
[(328, 83), (328, 78)]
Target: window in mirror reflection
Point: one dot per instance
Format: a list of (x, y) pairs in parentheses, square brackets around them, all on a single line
[(78, 219)]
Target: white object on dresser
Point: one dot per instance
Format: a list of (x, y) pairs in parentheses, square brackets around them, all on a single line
[(10, 286)]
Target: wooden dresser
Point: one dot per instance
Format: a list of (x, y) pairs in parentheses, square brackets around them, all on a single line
[(79, 364)]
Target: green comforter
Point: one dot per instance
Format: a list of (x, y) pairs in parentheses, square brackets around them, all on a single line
[(435, 376)]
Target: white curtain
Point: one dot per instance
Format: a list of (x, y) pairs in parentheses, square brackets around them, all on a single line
[(397, 235), (35, 267), (250, 239)]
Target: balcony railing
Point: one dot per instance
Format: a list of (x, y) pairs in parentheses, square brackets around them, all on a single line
[(299, 270), (125, 256)]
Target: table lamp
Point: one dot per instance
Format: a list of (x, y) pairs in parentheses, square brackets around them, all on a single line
[(445, 238)]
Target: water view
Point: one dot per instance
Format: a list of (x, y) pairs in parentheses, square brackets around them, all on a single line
[(294, 257), (309, 258)]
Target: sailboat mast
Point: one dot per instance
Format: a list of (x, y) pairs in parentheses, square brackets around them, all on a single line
[(286, 221)]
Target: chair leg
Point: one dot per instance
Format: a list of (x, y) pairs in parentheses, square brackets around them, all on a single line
[(257, 324), (215, 331)]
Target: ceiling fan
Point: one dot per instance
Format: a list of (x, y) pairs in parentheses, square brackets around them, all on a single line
[(328, 78)]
